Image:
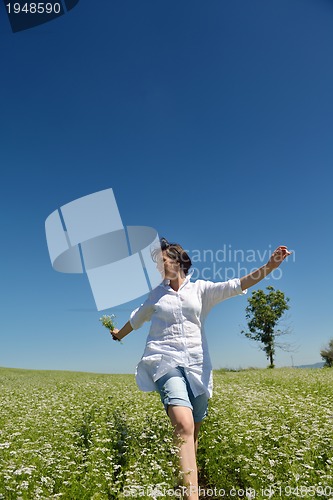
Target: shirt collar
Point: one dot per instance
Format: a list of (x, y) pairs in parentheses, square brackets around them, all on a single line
[(166, 283)]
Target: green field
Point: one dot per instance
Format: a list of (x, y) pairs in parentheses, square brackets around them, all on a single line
[(77, 436)]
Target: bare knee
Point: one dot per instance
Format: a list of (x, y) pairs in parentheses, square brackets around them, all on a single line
[(182, 421), (184, 428)]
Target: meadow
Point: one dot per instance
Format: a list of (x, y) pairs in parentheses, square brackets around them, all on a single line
[(80, 436)]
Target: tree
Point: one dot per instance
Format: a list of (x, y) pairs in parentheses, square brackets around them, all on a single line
[(327, 354), (263, 314)]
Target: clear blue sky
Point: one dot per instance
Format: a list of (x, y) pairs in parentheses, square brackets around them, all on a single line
[(211, 121)]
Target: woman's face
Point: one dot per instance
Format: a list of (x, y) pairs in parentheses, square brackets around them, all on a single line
[(171, 266)]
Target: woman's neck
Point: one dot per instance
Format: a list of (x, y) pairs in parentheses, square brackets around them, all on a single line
[(176, 282)]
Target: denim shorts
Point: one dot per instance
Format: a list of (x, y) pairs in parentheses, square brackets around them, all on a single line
[(175, 390)]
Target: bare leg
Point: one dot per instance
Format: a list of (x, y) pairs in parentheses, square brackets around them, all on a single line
[(197, 426), (182, 420)]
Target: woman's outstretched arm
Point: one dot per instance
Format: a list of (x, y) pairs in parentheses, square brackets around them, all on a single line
[(120, 334), (275, 260)]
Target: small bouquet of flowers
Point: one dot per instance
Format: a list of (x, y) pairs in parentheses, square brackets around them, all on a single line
[(108, 322)]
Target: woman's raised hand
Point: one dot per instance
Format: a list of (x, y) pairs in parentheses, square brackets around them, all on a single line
[(278, 256)]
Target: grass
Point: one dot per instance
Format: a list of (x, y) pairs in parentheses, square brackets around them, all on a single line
[(78, 436)]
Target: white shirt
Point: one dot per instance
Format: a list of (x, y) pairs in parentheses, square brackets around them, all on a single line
[(177, 336)]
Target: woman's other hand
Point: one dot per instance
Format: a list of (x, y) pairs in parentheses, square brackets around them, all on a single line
[(114, 334)]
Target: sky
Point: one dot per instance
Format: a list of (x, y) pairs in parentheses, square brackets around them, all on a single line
[(211, 122)]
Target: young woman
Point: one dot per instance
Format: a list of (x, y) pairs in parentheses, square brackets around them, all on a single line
[(176, 361)]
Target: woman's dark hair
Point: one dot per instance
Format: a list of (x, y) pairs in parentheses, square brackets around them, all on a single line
[(176, 252)]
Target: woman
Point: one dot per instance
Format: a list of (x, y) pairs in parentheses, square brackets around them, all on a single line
[(176, 361)]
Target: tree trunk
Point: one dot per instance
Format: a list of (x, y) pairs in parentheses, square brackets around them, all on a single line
[(271, 360)]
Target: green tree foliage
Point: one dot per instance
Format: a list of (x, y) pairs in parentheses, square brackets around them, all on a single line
[(327, 354), (263, 313)]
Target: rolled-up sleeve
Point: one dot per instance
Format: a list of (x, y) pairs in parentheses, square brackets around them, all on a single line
[(140, 315), (217, 292)]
